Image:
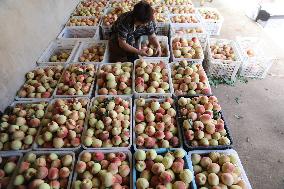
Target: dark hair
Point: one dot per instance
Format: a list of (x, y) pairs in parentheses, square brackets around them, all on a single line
[(143, 12)]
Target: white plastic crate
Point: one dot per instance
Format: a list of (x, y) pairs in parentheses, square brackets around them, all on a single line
[(173, 64), (79, 33), (88, 95), (165, 42), (87, 44), (82, 17), (199, 21), (223, 68), (192, 9), (176, 29), (55, 47), (213, 27), (86, 124), (227, 152), (256, 66), (152, 95), (98, 73), (201, 40)]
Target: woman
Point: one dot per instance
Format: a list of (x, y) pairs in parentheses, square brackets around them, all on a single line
[(126, 31)]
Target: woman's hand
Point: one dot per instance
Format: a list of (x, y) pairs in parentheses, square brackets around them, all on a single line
[(142, 52), (158, 50)]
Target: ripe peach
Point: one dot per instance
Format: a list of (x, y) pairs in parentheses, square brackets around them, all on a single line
[(213, 168), (150, 142), (228, 167), (54, 184), (200, 179), (158, 168), (213, 179), (140, 166), (64, 172), (177, 167), (179, 185), (205, 161), (155, 180), (53, 173), (42, 172), (98, 156), (142, 183), (223, 159), (205, 118), (174, 141), (81, 166), (227, 179), (149, 164)]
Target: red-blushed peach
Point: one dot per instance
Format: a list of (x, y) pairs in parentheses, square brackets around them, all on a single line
[(213, 168), (159, 135), (179, 185), (213, 179), (98, 156), (199, 109), (124, 170), (24, 166), (139, 117), (121, 155), (223, 159), (228, 167), (205, 118), (116, 160), (198, 125), (113, 168), (146, 174), (35, 183), (64, 172), (40, 162), (42, 172), (200, 179), (174, 141), (149, 164), (53, 173), (155, 180), (149, 142), (157, 168), (166, 177), (54, 184), (140, 141), (80, 166), (189, 135), (227, 179), (205, 161), (177, 167), (117, 179), (56, 163)]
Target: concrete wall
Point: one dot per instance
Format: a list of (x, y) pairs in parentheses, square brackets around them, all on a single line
[(26, 28)]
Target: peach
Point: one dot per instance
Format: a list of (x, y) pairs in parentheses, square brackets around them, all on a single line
[(140, 141), (157, 168), (205, 161), (142, 183), (155, 180), (200, 179), (210, 128), (140, 155), (80, 166), (149, 164), (198, 125), (213, 179), (140, 166), (213, 168), (54, 184), (223, 159), (177, 167), (98, 156), (205, 118), (146, 174), (189, 135), (227, 179), (117, 179), (124, 170), (174, 141), (64, 172), (53, 173), (179, 185), (42, 172), (228, 167), (24, 166), (186, 176), (150, 142)]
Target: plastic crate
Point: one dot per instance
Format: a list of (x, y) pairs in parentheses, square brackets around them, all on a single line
[(223, 68), (186, 143), (213, 27), (178, 2), (134, 124), (99, 70), (163, 28), (40, 148), (149, 95), (173, 64), (182, 8), (59, 153), (227, 152), (55, 47), (86, 126), (256, 66), (87, 44), (175, 28), (201, 41), (82, 17), (80, 33), (88, 95), (127, 152), (12, 176), (165, 42), (37, 128), (31, 99), (106, 30), (187, 165), (199, 21)]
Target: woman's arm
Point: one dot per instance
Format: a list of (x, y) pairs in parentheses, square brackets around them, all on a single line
[(153, 40), (125, 46)]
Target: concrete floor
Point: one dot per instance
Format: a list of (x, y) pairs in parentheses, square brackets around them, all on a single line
[(258, 133)]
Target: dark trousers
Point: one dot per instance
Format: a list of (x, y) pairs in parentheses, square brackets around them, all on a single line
[(117, 54)]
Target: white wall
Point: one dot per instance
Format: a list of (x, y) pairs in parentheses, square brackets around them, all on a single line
[(26, 28)]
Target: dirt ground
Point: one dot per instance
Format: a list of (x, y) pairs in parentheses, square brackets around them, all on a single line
[(254, 110)]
